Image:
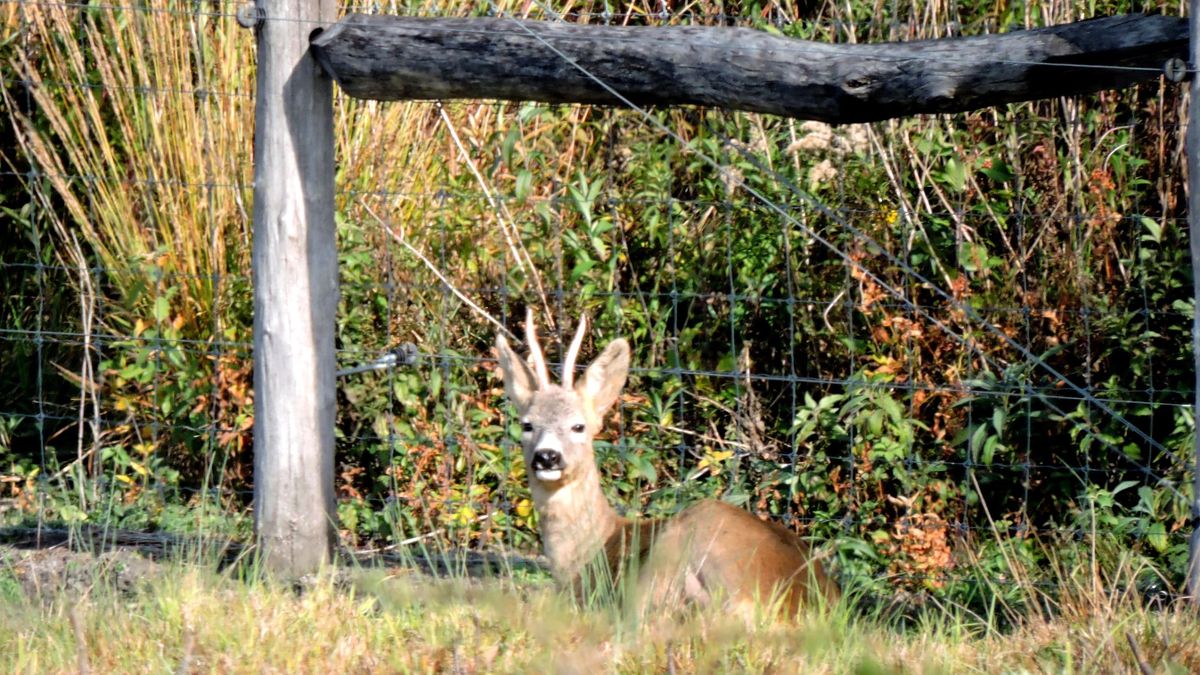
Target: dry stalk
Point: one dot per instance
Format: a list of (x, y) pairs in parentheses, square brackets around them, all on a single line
[(1143, 666), (189, 643), (436, 272), (81, 654), (889, 163), (511, 236)]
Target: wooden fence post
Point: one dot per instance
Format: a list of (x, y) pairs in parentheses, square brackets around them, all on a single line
[(1193, 165), (295, 290)]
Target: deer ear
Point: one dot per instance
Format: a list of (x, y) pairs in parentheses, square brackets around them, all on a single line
[(519, 382), (604, 378)]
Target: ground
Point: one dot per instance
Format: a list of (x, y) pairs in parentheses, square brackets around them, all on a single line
[(152, 605)]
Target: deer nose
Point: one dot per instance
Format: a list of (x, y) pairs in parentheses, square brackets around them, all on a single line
[(547, 460)]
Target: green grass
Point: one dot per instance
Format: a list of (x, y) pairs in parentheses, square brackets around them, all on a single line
[(186, 618)]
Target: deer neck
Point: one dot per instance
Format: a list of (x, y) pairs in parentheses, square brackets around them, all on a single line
[(576, 524)]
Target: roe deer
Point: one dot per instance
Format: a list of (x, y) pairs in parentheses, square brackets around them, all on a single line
[(710, 553)]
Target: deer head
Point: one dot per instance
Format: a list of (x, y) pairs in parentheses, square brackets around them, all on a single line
[(558, 422)]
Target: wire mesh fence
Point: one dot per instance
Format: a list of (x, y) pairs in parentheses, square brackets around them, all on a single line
[(925, 343)]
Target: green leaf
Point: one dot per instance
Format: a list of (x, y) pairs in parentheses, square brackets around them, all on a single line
[(1154, 228), (1146, 500), (999, 171), (736, 498), (435, 384), (891, 407), (583, 264), (998, 419), (176, 357), (827, 402), (644, 468), (524, 186), (989, 449), (955, 174), (973, 256), (510, 141), (600, 247), (977, 439), (1124, 485), (1157, 536), (162, 308), (875, 422)]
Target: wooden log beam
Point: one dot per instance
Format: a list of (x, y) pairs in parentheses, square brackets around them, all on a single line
[(398, 58)]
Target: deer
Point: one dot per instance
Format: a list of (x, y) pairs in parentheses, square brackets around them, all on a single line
[(711, 554)]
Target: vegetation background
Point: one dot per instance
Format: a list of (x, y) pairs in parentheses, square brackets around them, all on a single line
[(939, 464)]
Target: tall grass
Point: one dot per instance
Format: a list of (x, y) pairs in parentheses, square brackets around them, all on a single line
[(187, 619), (141, 130), (142, 134)]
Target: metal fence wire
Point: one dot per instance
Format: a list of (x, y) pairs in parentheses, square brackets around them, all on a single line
[(924, 343)]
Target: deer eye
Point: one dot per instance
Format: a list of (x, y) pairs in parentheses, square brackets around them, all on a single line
[(578, 428), (527, 427)]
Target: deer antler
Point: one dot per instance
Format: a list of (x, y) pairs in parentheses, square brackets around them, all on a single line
[(536, 360), (568, 367)]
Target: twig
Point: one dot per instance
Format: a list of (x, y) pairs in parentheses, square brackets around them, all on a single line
[(189, 643), (704, 437), (1137, 655), (80, 640), (829, 308), (419, 537), (441, 277), (87, 385), (513, 240)]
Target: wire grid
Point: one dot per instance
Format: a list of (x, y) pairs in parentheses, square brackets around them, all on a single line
[(437, 463)]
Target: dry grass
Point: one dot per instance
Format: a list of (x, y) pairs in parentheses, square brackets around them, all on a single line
[(139, 128), (147, 161), (190, 620)]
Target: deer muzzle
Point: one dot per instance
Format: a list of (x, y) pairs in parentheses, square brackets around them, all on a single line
[(547, 465)]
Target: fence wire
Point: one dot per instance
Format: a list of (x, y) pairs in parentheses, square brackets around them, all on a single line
[(902, 339)]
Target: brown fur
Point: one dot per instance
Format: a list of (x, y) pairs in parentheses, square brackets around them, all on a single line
[(714, 548), (711, 552)]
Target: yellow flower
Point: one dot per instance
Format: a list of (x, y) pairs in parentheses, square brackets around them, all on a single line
[(714, 458), (464, 516)]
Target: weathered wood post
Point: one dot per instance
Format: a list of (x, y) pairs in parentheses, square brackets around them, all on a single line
[(295, 289), (1193, 164)]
